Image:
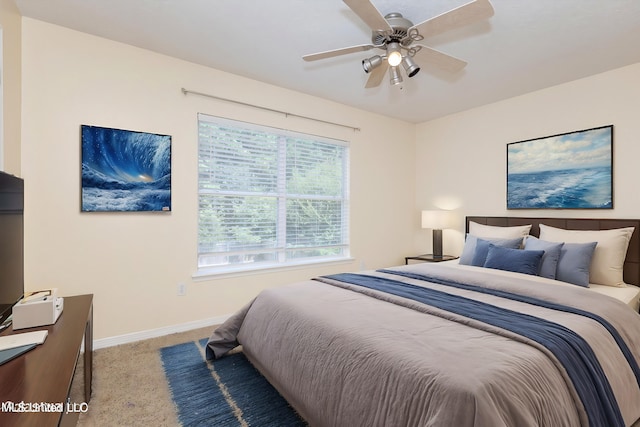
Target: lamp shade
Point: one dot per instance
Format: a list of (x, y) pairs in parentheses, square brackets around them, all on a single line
[(396, 78), (394, 56), (436, 219), (370, 63)]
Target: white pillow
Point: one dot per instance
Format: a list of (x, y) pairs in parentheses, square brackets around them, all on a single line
[(607, 263), (481, 230)]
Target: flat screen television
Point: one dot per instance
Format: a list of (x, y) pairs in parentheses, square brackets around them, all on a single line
[(11, 243)]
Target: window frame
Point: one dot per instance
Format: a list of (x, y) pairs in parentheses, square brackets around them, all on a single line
[(282, 197)]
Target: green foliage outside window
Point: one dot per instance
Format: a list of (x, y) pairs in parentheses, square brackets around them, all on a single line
[(271, 196)]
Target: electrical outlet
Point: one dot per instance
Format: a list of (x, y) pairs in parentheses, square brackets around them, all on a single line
[(182, 289)]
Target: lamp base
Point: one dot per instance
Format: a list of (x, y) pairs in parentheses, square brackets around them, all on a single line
[(437, 243)]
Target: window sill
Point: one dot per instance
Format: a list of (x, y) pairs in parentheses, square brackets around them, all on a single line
[(244, 270)]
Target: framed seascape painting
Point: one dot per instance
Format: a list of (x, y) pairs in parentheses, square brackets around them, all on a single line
[(568, 171), (124, 171)]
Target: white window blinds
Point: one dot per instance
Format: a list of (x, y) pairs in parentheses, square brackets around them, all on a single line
[(269, 197)]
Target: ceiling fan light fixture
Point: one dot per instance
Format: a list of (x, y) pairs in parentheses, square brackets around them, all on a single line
[(396, 78), (394, 56), (370, 63), (410, 66), (394, 34)]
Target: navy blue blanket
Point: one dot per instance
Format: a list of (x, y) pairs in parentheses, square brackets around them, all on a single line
[(571, 350)]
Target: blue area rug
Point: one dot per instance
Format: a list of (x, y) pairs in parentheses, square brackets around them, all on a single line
[(224, 392)]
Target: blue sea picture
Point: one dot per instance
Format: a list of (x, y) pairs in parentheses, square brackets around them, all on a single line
[(125, 170), (567, 171)]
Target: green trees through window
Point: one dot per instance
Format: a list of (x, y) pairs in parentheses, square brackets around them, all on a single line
[(269, 196)]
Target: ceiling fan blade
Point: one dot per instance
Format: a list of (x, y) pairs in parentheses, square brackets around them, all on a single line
[(460, 16), (338, 52), (376, 76), (369, 14), (439, 59)]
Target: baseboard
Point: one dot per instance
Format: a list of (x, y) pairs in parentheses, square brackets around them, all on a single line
[(154, 333)]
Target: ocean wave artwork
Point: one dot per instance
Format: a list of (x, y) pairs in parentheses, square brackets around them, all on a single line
[(125, 170), (567, 171)]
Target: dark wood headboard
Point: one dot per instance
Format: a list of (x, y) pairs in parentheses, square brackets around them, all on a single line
[(631, 263)]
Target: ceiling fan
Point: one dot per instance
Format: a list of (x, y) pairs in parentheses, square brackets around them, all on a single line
[(396, 36)]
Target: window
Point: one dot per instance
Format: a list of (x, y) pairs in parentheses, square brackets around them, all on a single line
[(269, 197)]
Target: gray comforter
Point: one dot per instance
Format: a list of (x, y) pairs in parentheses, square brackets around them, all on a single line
[(347, 357)]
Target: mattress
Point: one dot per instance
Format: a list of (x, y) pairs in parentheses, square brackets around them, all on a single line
[(629, 294)]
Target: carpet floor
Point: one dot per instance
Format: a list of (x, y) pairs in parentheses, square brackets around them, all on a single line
[(130, 387)]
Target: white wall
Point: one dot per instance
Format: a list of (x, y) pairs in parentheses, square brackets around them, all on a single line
[(10, 24), (132, 262), (465, 153)]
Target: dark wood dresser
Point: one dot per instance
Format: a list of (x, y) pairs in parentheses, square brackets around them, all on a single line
[(50, 385)]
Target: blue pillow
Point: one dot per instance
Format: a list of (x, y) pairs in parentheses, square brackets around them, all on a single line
[(482, 248), (517, 260), (549, 263), (470, 244), (574, 263)]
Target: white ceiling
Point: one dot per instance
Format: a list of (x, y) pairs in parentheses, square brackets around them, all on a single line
[(527, 45)]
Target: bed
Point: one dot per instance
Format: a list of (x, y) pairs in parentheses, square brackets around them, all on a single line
[(453, 344)]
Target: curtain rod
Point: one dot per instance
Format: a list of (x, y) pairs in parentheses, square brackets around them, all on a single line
[(286, 114)]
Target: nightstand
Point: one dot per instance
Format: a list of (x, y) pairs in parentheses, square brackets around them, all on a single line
[(430, 258)]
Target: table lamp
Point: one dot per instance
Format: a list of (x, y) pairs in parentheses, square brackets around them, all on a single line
[(436, 220)]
